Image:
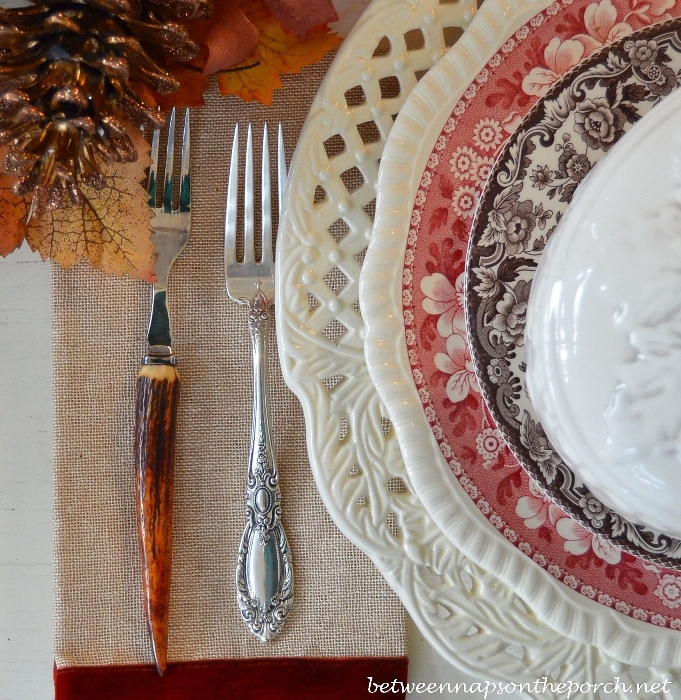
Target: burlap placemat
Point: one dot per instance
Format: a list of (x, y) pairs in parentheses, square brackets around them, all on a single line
[(343, 607)]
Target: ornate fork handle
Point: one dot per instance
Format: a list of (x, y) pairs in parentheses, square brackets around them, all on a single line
[(264, 573)]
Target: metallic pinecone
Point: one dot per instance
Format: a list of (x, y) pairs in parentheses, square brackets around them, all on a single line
[(65, 72)]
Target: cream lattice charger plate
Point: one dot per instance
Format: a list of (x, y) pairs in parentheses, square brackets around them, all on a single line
[(475, 621)]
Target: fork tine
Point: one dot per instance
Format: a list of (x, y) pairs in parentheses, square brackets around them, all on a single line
[(281, 165), (168, 179), (185, 182), (249, 219), (266, 199), (232, 192), (151, 186)]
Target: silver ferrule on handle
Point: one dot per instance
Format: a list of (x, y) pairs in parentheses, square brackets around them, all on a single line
[(169, 243), (159, 334), (264, 574)]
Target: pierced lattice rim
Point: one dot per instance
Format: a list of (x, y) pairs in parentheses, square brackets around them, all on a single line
[(437, 583)]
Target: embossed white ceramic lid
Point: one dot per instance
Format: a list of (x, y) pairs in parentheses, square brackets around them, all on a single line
[(604, 326)]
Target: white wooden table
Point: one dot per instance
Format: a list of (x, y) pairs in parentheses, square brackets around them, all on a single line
[(26, 601)]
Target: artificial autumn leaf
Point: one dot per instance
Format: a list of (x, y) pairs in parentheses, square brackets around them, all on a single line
[(112, 228), (278, 52), (12, 216), (301, 16), (229, 36), (193, 84), (231, 45)]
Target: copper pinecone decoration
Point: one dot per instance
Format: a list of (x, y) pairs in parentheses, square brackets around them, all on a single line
[(68, 72)]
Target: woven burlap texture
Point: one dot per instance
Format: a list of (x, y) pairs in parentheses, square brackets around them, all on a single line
[(343, 607)]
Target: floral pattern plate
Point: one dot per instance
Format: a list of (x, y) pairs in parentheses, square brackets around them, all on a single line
[(455, 161), (557, 144)]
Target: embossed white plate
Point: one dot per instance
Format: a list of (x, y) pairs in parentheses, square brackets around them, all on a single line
[(601, 370), (541, 167)]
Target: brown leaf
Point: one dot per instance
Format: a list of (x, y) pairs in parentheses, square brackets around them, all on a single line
[(229, 36), (300, 16), (147, 94), (112, 229), (193, 83), (230, 43)]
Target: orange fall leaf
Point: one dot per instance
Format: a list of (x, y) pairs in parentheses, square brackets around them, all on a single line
[(248, 47), (277, 52), (112, 228), (12, 217)]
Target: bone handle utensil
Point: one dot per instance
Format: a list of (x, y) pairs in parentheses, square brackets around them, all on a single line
[(158, 393)]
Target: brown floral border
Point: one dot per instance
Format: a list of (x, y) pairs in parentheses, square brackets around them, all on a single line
[(525, 436)]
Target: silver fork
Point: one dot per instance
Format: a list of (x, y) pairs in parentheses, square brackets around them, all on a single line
[(264, 572), (158, 391)]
